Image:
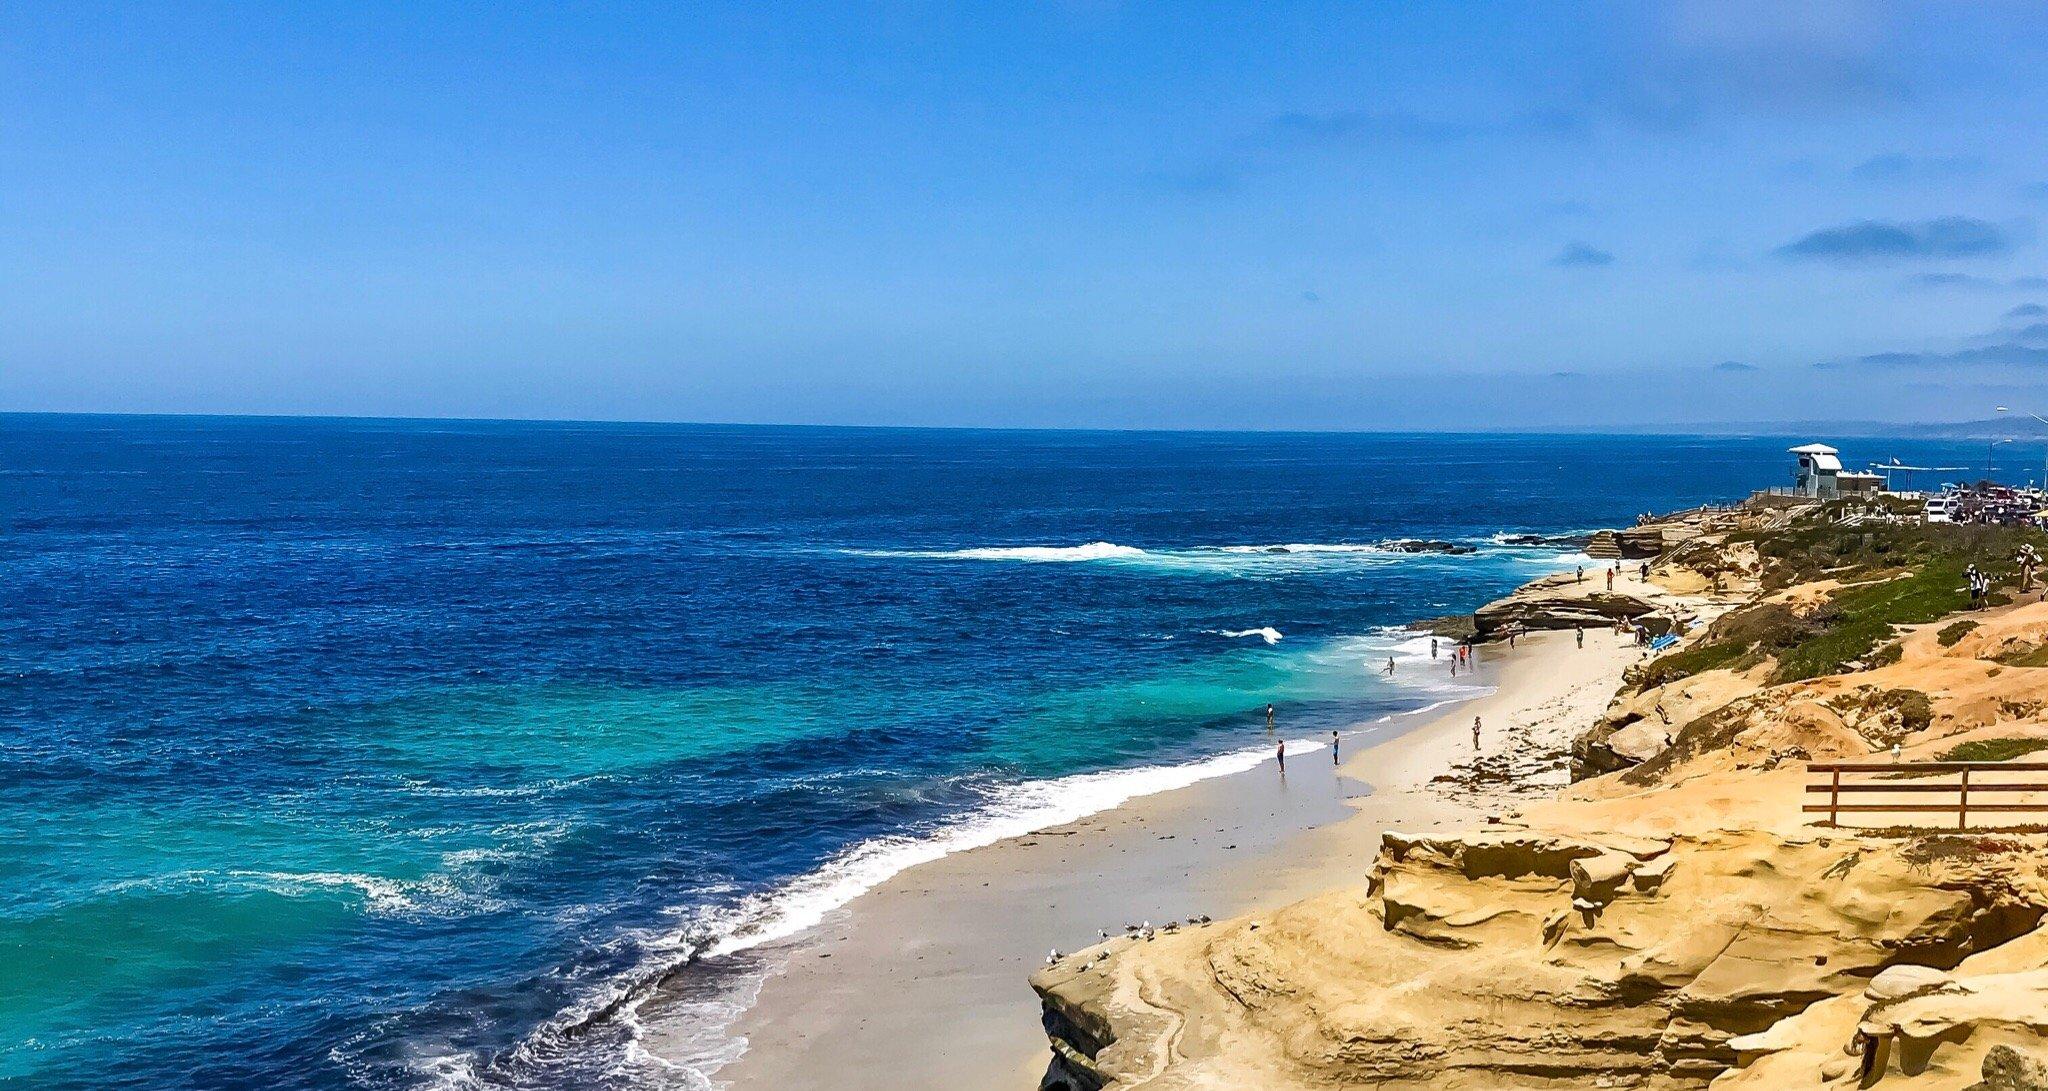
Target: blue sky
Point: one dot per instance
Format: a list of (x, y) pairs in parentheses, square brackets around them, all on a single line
[(1058, 214)]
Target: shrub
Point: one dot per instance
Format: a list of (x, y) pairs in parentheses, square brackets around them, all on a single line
[(1951, 634), (1994, 749), (1672, 666)]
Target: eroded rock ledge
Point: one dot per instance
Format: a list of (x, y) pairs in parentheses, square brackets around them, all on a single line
[(1526, 958)]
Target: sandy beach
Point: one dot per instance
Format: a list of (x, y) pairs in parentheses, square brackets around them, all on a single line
[(921, 983)]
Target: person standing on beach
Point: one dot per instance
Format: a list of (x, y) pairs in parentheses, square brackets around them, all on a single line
[(1475, 732), (1280, 753), (1333, 746), (1582, 635), (1432, 647), (1582, 575), (1610, 579)]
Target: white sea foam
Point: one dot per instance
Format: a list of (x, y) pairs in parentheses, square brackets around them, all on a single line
[(804, 902), (1290, 548), (1268, 634), (1255, 561), (1092, 551)]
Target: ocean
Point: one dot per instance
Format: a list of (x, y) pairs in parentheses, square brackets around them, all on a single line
[(401, 754)]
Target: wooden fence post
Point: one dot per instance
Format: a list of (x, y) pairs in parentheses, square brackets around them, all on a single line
[(1835, 800), (1963, 804)]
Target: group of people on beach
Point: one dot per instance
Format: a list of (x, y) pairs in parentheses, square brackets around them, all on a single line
[(1280, 745), (1461, 655)]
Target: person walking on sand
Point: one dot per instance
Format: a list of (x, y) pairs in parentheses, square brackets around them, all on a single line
[(1280, 753), (1475, 732), (1610, 579), (1582, 575)]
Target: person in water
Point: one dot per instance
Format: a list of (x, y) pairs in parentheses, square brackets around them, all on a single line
[(1390, 666), (1269, 715), (1432, 647)]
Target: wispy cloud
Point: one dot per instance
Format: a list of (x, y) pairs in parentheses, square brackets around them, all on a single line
[(1971, 282), (2003, 355), (1286, 136), (1878, 241), (1580, 254), (1899, 167), (1734, 366)]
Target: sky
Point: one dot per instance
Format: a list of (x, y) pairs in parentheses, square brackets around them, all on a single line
[(1055, 214)]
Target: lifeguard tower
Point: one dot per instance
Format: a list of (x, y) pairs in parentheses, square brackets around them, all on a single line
[(1819, 473)]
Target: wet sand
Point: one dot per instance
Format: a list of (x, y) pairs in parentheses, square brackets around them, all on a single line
[(921, 983)]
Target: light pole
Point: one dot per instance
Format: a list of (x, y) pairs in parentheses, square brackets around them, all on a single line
[(2044, 450)]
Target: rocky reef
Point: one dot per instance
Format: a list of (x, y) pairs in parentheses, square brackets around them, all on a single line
[(1563, 601)]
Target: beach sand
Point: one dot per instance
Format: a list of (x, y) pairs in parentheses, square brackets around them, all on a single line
[(921, 983)]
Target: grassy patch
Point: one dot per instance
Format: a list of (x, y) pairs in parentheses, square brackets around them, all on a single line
[(1814, 550), (1672, 666), (1995, 749), (2026, 657), (1859, 618), (1952, 634)]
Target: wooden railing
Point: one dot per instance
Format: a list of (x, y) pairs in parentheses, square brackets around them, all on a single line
[(1958, 788)]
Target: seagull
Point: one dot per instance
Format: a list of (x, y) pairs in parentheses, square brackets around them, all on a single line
[(1053, 957)]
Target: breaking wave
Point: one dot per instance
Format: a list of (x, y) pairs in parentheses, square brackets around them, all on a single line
[(761, 919)]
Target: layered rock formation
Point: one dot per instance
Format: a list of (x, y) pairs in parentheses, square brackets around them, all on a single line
[(1526, 958), (1563, 602)]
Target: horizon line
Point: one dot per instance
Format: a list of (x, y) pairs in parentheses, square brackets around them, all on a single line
[(1700, 428)]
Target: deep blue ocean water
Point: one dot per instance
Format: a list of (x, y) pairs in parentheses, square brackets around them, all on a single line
[(344, 753)]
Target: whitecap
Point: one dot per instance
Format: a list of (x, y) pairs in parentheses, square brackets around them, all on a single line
[(1268, 634), (1092, 551)]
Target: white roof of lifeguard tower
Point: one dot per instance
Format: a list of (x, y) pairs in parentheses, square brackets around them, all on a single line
[(1823, 456)]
